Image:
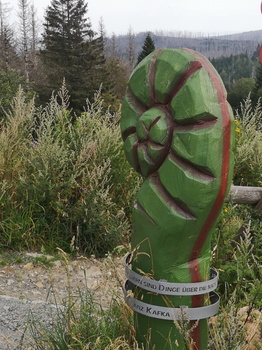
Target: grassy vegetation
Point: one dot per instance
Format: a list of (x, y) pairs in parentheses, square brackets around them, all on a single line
[(248, 153), (84, 325), (64, 182)]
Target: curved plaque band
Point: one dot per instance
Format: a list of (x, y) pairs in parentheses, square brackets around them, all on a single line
[(171, 314), (169, 288)]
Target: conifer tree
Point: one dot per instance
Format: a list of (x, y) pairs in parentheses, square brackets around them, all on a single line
[(100, 72), (257, 90), (8, 55), (147, 48), (258, 78), (68, 51), (118, 69)]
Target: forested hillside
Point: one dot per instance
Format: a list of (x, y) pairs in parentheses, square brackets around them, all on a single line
[(236, 57), (211, 47), (67, 50)]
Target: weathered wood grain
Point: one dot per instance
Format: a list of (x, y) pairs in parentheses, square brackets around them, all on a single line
[(245, 195)]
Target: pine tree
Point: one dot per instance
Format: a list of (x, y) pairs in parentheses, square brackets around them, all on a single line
[(118, 69), (99, 74), (113, 48), (8, 55), (257, 90), (147, 48), (258, 78), (68, 51)]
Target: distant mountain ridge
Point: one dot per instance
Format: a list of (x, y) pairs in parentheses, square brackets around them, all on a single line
[(210, 46), (255, 35)]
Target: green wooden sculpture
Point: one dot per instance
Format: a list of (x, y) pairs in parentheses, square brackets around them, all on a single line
[(176, 127)]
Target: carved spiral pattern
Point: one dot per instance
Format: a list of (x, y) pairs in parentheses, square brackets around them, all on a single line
[(151, 116), (149, 145)]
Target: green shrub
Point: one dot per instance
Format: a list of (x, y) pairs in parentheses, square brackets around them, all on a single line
[(70, 185), (248, 153), (237, 247), (10, 80)]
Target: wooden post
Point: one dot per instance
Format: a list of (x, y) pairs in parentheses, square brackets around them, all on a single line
[(178, 133)]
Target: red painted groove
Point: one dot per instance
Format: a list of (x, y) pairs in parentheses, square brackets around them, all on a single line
[(151, 77), (133, 101), (139, 207), (172, 202), (195, 124), (192, 168), (193, 67), (194, 263)]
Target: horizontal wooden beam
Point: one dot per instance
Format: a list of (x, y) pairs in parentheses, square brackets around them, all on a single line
[(244, 195)]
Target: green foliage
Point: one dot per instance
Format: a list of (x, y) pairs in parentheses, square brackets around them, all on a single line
[(233, 68), (64, 188), (258, 77), (257, 89), (118, 76), (228, 329), (10, 80), (239, 92), (237, 246), (110, 103), (147, 48), (85, 325), (71, 52), (43, 260), (248, 153)]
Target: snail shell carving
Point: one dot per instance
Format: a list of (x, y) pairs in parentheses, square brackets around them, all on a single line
[(172, 114), (151, 113)]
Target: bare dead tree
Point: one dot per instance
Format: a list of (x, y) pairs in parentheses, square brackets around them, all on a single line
[(131, 48), (24, 39), (33, 37)]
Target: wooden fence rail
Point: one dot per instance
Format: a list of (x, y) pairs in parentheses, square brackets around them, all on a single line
[(246, 195)]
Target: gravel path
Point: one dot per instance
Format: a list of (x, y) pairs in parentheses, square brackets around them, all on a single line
[(31, 291), (16, 314)]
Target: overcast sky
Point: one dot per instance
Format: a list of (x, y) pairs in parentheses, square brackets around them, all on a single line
[(196, 16)]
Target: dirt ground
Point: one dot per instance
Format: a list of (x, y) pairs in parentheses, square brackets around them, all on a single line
[(34, 286), (39, 277)]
